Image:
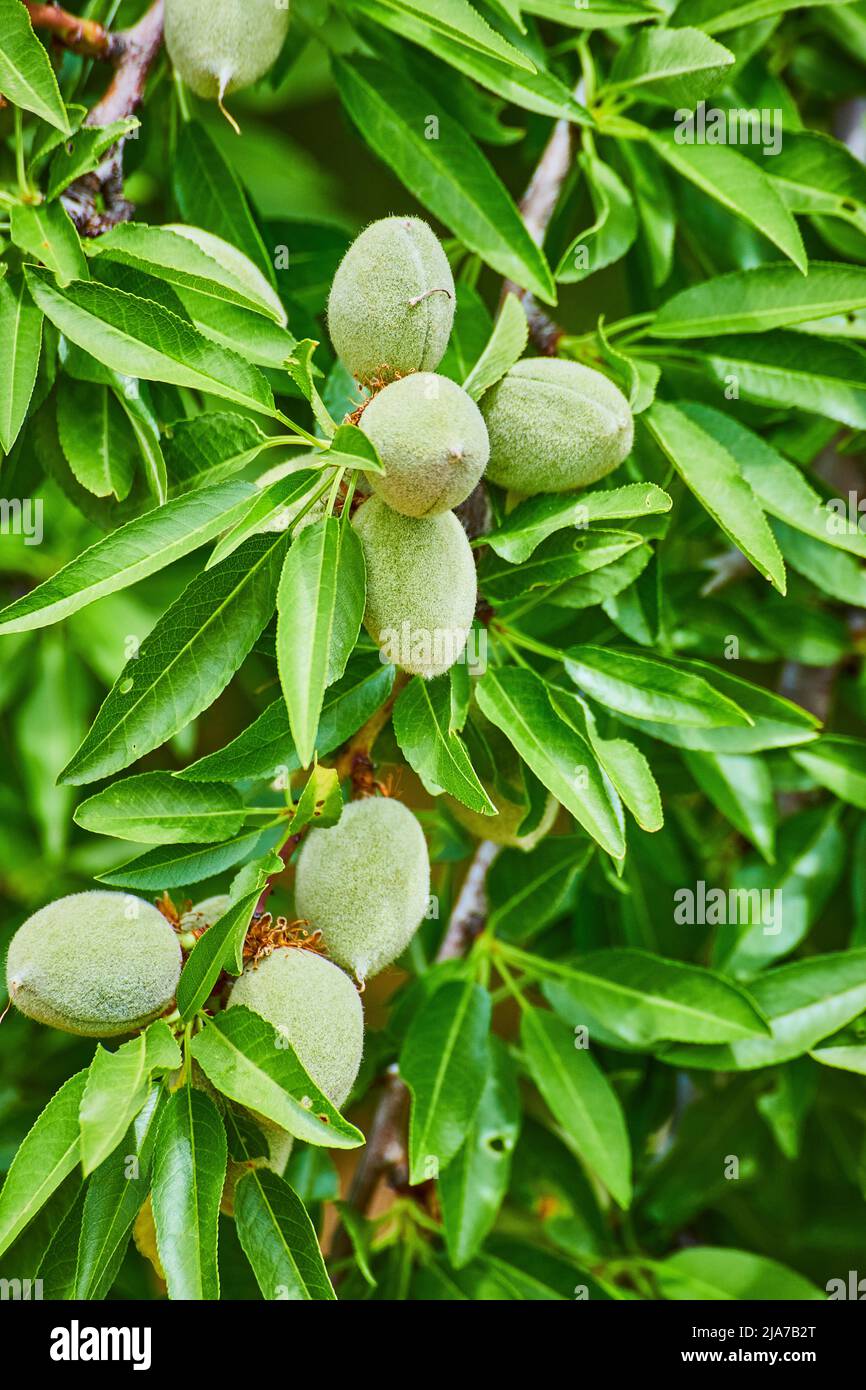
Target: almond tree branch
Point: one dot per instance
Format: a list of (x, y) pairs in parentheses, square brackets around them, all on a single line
[(133, 52), (84, 36), (537, 207), (384, 1154)]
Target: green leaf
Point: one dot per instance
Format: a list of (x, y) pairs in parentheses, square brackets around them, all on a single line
[(761, 298), (350, 448), (266, 747), (613, 231), (475, 1181), (47, 232), (716, 480), (210, 447), (185, 662), (742, 789), (622, 762), (708, 1272), (178, 866), (278, 1239), (179, 261), (130, 553), (580, 1098), (83, 152), (839, 764), (255, 1065), (770, 911), (459, 22), (714, 16), (791, 370), (528, 891), (115, 1195), (270, 511), (155, 808), (559, 559), (517, 702), (773, 721), (118, 1084), (20, 347), (601, 14), (445, 1061), (654, 203), (320, 802), (139, 338), (95, 438), (673, 66), (646, 687), (26, 75), (734, 181), (47, 1155), (534, 520), (540, 91), (433, 747), (320, 605), (803, 1002), (644, 999), (131, 395), (779, 486), (834, 573), (209, 195), (449, 176), (220, 948), (506, 346), (189, 1168)]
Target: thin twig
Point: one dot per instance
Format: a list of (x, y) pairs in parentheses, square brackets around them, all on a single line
[(133, 52), (84, 36), (384, 1154), (537, 207)]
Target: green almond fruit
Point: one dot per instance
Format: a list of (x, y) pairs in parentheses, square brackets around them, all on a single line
[(97, 964), (432, 440), (391, 305), (421, 586), (365, 883), (226, 44), (555, 425)]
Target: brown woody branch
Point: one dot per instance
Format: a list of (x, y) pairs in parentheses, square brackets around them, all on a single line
[(384, 1155), (84, 36), (133, 52), (537, 207)]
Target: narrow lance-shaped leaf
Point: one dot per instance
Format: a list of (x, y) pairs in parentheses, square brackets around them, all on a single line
[(115, 1195), (761, 298), (47, 232), (130, 553), (117, 1088), (26, 75), (736, 183), (320, 605), (715, 478), (189, 1168), (139, 338), (185, 662), (580, 1097), (506, 345), (46, 1156), (279, 1239), (20, 346), (255, 1065), (422, 727), (445, 1062), (155, 808), (516, 701), (450, 175)]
